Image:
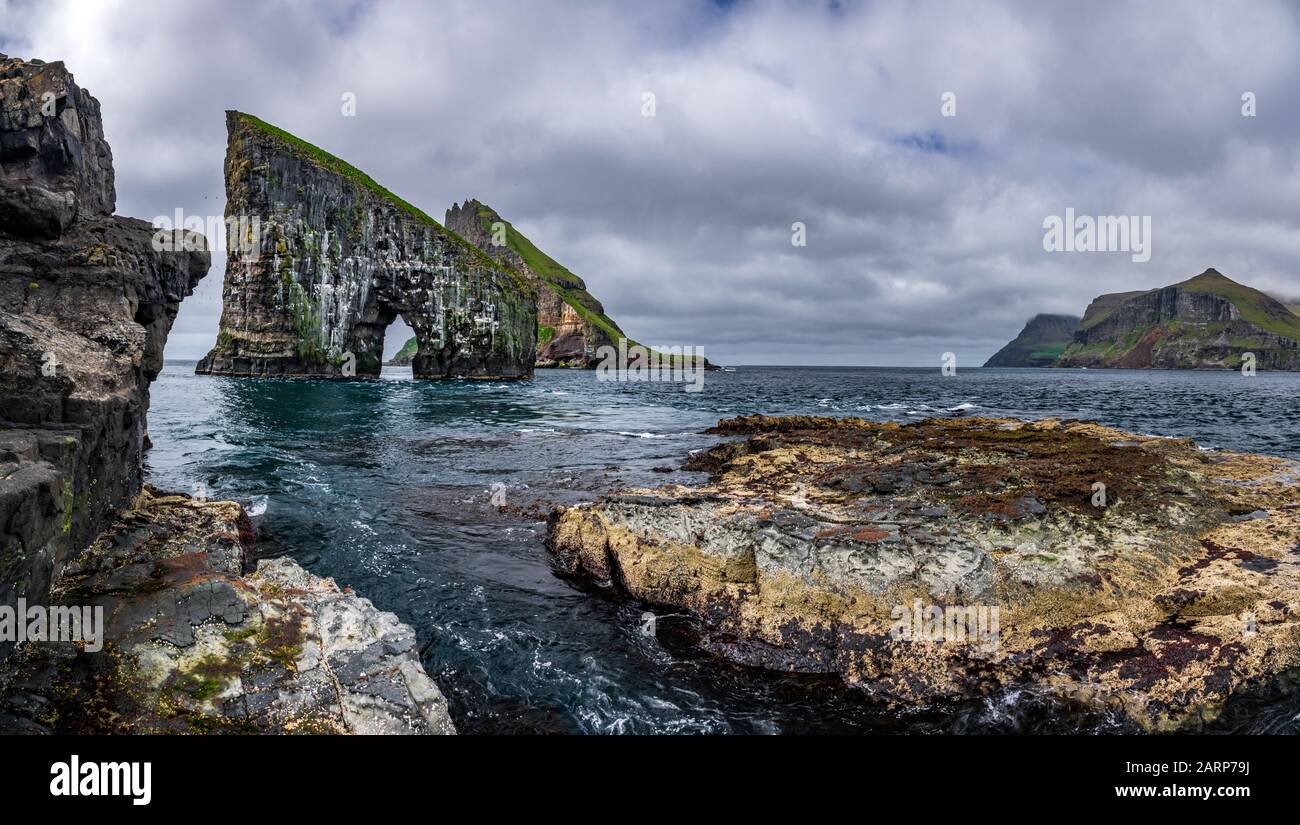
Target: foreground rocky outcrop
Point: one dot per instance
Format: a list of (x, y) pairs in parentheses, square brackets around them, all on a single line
[(1039, 344), (327, 259), (194, 638), (86, 303), (196, 646), (952, 559)]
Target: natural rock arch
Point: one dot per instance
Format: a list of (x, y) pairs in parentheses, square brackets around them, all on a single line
[(323, 259)]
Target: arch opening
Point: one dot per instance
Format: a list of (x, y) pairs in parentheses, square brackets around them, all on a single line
[(399, 346)]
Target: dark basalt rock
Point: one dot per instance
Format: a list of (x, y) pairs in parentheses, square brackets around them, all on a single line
[(55, 165), (194, 639), (572, 324), (335, 259), (85, 307)]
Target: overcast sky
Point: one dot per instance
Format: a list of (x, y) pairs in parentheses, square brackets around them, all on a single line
[(924, 232)]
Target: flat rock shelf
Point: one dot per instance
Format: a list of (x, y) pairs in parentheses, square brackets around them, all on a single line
[(950, 559)]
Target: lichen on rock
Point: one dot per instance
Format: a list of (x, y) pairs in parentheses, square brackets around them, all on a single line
[(196, 646), (817, 540)]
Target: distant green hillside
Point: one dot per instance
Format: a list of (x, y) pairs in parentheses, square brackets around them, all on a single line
[(1256, 307), (1039, 344), (406, 353), (1206, 322)]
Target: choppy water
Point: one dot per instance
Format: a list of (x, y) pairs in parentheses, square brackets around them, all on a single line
[(386, 486)]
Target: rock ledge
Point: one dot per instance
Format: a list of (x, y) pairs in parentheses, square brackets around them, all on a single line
[(817, 542)]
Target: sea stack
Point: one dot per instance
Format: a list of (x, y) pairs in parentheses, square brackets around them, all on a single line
[(324, 259), (571, 322)]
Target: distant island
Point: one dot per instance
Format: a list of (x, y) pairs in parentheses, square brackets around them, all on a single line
[(1039, 344), (1206, 322)]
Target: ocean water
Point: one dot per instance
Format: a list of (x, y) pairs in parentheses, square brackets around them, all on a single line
[(387, 486)]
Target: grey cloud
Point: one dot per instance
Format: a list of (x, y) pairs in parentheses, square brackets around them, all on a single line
[(924, 232)]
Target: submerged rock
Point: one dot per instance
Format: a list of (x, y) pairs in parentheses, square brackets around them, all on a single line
[(953, 559), (323, 259), (194, 645)]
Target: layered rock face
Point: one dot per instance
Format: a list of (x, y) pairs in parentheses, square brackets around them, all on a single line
[(85, 307), (958, 559), (54, 162), (571, 323), (1207, 322), (1039, 344), (330, 259)]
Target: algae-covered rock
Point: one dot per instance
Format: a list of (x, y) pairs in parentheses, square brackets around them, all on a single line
[(953, 559), (193, 645)]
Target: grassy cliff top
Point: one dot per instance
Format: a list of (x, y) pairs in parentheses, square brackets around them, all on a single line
[(1103, 305), (344, 169), (1256, 307)]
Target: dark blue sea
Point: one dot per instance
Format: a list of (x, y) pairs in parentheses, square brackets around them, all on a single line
[(386, 486)]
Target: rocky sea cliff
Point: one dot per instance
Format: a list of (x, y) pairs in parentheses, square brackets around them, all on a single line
[(939, 561), (196, 634), (1206, 322)]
